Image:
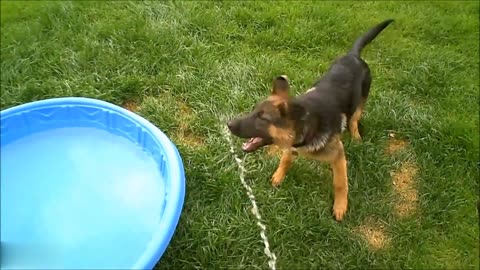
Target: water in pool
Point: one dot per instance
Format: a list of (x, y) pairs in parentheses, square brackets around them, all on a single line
[(72, 197)]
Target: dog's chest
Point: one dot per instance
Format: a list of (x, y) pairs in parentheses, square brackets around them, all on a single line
[(320, 141), (317, 145), (323, 150)]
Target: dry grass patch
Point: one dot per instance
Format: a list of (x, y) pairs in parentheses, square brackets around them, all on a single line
[(174, 117), (405, 188), (374, 233), (130, 105), (185, 136), (184, 133), (395, 145)]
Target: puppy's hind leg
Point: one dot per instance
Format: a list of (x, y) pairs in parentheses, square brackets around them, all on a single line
[(353, 122)]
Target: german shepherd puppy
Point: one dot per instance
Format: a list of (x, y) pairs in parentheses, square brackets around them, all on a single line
[(311, 124)]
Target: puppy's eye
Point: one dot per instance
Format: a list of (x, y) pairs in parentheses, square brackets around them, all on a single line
[(262, 116)]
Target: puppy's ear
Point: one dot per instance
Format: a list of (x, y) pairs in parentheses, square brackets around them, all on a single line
[(281, 86), (296, 111)]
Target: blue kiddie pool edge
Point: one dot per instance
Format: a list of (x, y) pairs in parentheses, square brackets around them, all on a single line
[(175, 194)]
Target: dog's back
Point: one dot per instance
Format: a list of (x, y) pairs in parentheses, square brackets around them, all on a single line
[(347, 82)]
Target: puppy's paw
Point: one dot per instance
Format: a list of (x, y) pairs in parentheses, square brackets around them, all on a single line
[(339, 210), (277, 178), (356, 137)]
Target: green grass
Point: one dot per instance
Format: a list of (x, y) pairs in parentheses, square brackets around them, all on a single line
[(215, 59)]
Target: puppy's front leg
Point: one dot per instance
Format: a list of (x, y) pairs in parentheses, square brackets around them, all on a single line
[(283, 167), (340, 183)]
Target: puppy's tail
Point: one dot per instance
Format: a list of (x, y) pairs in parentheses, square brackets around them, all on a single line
[(366, 38)]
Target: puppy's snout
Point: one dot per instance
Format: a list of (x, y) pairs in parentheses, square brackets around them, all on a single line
[(233, 125)]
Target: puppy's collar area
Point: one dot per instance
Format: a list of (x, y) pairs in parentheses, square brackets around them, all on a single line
[(310, 139), (308, 134), (307, 138)]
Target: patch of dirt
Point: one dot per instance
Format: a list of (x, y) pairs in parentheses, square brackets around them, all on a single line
[(405, 188), (395, 145), (130, 105), (374, 233)]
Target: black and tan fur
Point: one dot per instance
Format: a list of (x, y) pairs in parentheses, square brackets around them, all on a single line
[(311, 124)]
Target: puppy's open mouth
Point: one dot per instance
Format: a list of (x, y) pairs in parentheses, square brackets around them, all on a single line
[(253, 144)]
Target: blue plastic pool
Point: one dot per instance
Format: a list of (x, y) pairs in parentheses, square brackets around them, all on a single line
[(86, 184)]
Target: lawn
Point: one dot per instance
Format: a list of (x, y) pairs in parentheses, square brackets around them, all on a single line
[(188, 66)]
